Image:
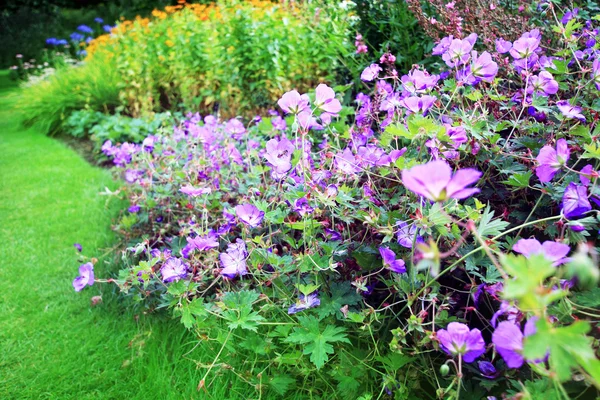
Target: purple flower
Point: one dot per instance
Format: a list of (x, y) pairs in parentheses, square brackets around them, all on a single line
[(304, 303), (325, 99), (418, 105), (85, 29), (370, 73), (306, 120), (279, 154), (390, 261), (569, 111), (85, 278), (202, 243), (279, 123), (487, 369), (503, 46), (134, 209), (458, 52), (596, 72), (508, 341), (332, 235), (407, 234), (249, 214), (235, 128), (293, 103), (569, 15), (194, 192), (173, 270), (550, 160), (524, 47), (483, 67), (435, 181), (458, 339), (418, 81), (233, 260), (551, 250), (302, 207), (442, 46), (575, 202), (587, 173), (543, 84), (78, 247), (346, 162)]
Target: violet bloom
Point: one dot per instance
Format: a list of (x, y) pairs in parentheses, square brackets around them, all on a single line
[(85, 278), (407, 234), (418, 81), (194, 192), (418, 105), (346, 162), (587, 173), (575, 202), (508, 341), (457, 339), (233, 260), (202, 243), (569, 111), (173, 270), (596, 72), (389, 260), (302, 207), (543, 84), (503, 46), (436, 182), (524, 47), (442, 46), (293, 103), (279, 154), (551, 160), (325, 100), (279, 123), (458, 52), (487, 369), (551, 250), (370, 73), (235, 128), (249, 214), (304, 303), (483, 67), (78, 247), (134, 209)]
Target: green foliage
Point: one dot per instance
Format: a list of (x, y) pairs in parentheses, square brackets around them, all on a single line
[(317, 341)]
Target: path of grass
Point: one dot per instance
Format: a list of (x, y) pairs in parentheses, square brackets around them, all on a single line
[(53, 344)]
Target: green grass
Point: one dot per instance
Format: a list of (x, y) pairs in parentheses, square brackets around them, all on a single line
[(53, 344)]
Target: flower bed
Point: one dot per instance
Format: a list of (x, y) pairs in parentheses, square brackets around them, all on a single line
[(437, 241)]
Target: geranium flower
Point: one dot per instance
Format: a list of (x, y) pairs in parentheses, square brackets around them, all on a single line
[(483, 67), (304, 303), (575, 202), (457, 339), (202, 243), (279, 154), (78, 247), (407, 234), (418, 105), (543, 84), (233, 260), (587, 173), (293, 103), (436, 182), (325, 100), (551, 160), (508, 341), (442, 46), (249, 214), (596, 72), (85, 278), (193, 191), (173, 270), (390, 261), (302, 207), (458, 52), (551, 250), (370, 73), (346, 162), (524, 47), (569, 111), (503, 46)]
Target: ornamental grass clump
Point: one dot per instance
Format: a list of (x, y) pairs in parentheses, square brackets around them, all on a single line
[(415, 245)]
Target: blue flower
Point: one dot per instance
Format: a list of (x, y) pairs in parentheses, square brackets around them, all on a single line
[(76, 37), (98, 20), (85, 29)]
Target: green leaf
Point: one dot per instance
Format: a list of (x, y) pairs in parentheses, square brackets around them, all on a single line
[(317, 343), (238, 312), (527, 286), (519, 181), (591, 151), (340, 294), (488, 227), (281, 383), (568, 346), (437, 216)]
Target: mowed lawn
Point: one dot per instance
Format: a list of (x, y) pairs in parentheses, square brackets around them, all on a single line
[(53, 343)]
